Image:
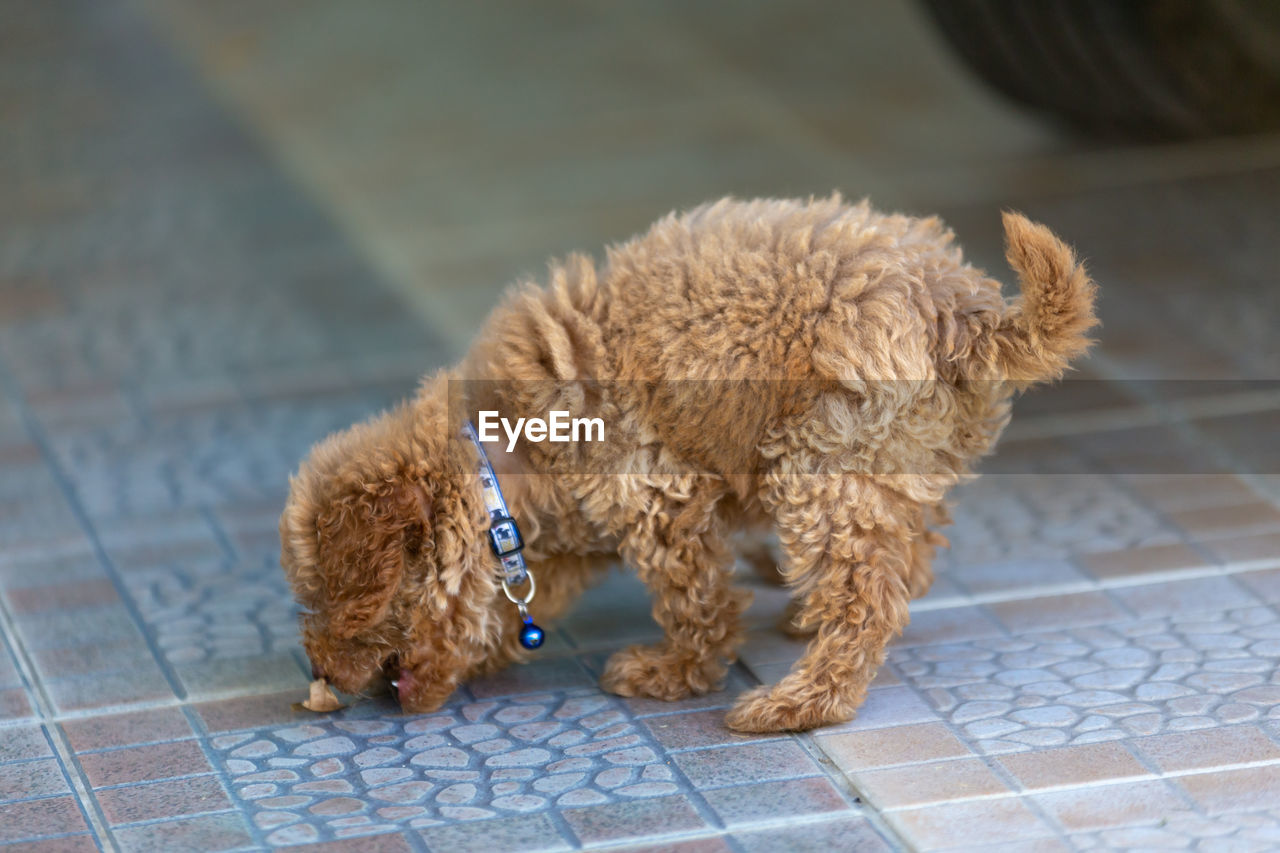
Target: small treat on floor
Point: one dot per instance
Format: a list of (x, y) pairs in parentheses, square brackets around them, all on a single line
[(322, 699)]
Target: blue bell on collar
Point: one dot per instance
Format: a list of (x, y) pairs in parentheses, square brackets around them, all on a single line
[(531, 636)]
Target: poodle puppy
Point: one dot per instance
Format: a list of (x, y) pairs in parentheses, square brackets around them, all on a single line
[(814, 366)]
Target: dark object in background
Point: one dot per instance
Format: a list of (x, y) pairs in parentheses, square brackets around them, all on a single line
[(1150, 68)]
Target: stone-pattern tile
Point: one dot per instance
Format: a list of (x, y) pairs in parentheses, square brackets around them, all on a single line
[(1112, 806), (331, 777), (200, 615), (1124, 679), (1255, 832), (1048, 515)]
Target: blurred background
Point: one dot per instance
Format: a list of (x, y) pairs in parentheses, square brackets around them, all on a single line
[(229, 228), (461, 145)]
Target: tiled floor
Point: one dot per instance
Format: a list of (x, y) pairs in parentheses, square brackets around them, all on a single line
[(230, 228)]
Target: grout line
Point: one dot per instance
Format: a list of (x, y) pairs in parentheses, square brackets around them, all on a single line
[(1157, 412), (1022, 791), (44, 839), (1120, 582), (67, 487), (844, 781), (152, 821), (181, 777), (78, 783), (217, 771), (220, 536)]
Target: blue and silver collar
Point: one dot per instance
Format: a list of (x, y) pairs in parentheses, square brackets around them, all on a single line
[(505, 539)]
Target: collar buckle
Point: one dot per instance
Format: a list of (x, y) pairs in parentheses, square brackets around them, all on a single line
[(505, 538)]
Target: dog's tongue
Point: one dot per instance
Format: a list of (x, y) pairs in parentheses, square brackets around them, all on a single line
[(403, 684)]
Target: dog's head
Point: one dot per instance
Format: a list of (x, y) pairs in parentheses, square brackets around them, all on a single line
[(382, 539)]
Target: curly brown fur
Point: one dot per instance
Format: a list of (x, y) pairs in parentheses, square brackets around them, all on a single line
[(815, 365)]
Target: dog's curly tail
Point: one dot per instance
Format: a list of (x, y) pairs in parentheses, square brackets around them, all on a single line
[(1046, 327)]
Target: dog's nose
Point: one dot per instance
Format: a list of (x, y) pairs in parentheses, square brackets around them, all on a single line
[(316, 673)]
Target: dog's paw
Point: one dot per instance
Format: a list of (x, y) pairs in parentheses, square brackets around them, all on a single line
[(767, 709), (660, 673)]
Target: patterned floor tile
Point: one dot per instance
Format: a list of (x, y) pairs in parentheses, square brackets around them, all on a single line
[(754, 762), (211, 833), (616, 822), (1258, 832), (893, 705), (138, 727), (59, 844), (1050, 515), (109, 688), (491, 758), (977, 823), (34, 818), (712, 844), (1183, 751), (916, 785), (1073, 765), (1220, 792), (1135, 562), (1265, 585), (155, 800), (773, 801), (536, 834), (1124, 804), (695, 729), (22, 742), (1126, 679), (910, 744), (1044, 612), (850, 833), (32, 779)]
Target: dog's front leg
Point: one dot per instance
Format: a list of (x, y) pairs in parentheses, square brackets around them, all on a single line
[(854, 576), (677, 545)]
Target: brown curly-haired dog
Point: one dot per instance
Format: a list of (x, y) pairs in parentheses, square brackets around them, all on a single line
[(816, 365)]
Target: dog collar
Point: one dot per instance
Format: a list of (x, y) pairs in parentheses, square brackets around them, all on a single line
[(507, 543)]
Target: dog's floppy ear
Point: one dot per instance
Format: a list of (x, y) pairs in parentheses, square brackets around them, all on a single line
[(365, 538)]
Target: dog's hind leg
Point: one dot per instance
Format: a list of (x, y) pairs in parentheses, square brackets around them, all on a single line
[(677, 545), (919, 579), (849, 545)]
